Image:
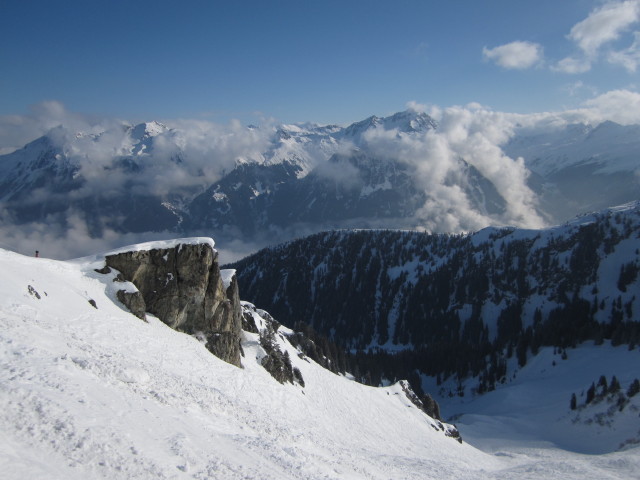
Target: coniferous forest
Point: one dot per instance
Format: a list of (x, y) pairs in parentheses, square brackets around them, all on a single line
[(403, 303)]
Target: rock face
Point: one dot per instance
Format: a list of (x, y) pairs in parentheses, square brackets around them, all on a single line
[(134, 301), (182, 285)]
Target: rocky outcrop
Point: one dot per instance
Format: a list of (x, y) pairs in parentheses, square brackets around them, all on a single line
[(134, 301), (275, 361), (181, 283), (429, 406)]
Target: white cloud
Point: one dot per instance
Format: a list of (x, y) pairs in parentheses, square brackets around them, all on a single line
[(515, 55), (17, 130), (66, 239), (573, 89), (629, 58), (416, 107), (471, 135), (620, 106), (572, 65), (603, 26), (475, 106)]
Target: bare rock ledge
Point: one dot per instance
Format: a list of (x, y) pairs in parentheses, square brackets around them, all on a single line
[(182, 285)]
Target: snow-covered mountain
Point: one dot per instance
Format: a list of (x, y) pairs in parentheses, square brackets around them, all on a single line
[(101, 177), (89, 390), (609, 147), (581, 167), (406, 122), (273, 183), (488, 296)]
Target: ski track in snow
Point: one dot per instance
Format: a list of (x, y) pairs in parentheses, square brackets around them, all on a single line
[(96, 393)]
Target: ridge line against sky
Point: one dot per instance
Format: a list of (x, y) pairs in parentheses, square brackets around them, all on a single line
[(326, 62)]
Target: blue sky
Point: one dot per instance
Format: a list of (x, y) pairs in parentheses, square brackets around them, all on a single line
[(327, 62)]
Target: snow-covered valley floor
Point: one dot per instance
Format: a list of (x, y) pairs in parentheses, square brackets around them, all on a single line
[(529, 420), (97, 393)]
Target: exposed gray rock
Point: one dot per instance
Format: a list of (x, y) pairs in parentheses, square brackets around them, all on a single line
[(275, 361), (104, 270), (134, 302), (248, 323), (33, 291), (183, 287), (429, 406)]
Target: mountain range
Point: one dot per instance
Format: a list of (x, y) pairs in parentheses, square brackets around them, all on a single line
[(268, 184)]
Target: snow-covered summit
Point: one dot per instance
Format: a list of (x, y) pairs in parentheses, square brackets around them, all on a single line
[(408, 121), (142, 137), (148, 129)]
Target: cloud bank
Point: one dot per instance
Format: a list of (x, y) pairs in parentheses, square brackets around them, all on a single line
[(464, 136)]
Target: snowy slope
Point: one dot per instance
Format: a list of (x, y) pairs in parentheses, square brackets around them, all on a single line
[(533, 406), (96, 393), (610, 147)]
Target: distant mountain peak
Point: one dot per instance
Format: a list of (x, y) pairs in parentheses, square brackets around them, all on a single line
[(148, 129), (408, 121)]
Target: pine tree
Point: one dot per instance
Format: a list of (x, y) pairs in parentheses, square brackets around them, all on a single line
[(591, 393), (603, 383), (574, 401), (614, 387), (634, 388)]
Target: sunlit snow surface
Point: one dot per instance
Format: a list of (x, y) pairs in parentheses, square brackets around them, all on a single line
[(96, 393)]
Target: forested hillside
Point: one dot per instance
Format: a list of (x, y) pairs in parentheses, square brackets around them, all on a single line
[(457, 304)]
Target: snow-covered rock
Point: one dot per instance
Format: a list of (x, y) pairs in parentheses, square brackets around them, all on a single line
[(183, 286)]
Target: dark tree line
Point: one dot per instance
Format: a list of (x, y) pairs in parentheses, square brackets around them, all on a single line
[(611, 390)]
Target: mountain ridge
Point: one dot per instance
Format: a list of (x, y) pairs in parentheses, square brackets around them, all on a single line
[(500, 292), (269, 184)]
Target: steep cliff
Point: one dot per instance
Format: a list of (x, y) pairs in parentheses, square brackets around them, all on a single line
[(181, 283)]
